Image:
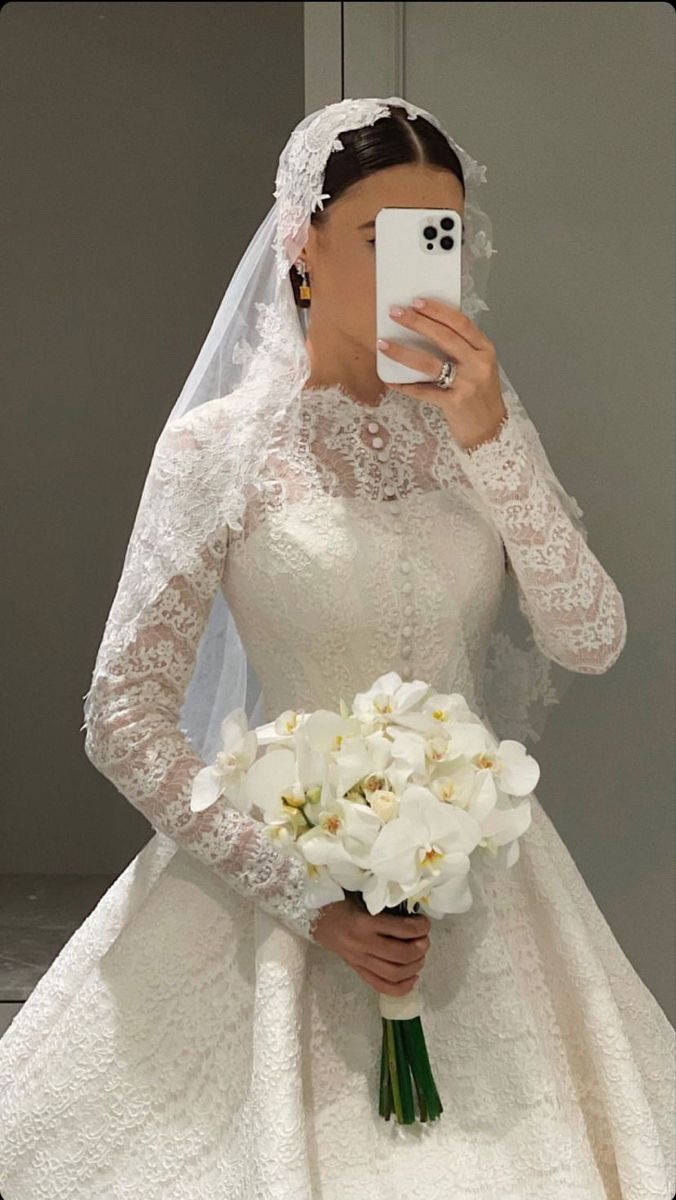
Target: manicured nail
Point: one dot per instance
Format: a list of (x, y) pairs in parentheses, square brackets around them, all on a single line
[(417, 302), (383, 343)]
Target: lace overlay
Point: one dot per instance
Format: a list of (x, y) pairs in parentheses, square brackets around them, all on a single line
[(364, 549), (392, 544)]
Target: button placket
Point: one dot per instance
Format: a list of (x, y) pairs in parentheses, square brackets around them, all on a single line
[(394, 510), (407, 628)]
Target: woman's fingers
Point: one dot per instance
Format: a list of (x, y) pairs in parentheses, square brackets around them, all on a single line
[(395, 951), (385, 985), (400, 927), (393, 972)]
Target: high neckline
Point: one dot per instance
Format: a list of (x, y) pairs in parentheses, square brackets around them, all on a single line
[(339, 391)]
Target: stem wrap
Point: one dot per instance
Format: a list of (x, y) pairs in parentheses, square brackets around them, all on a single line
[(401, 1008)]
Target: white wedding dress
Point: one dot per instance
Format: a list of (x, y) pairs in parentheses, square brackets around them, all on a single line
[(191, 1041)]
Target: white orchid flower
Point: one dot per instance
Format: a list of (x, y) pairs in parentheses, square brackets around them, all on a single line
[(312, 765), (320, 888), (460, 784), (387, 699), (409, 756), (379, 893), (342, 839), (437, 896), (362, 824), (427, 845), (226, 775), (281, 782), (330, 854), (448, 894), (326, 731), (438, 712), (417, 753), (448, 708), (502, 828), (513, 770), (359, 757), (283, 729), (501, 821)]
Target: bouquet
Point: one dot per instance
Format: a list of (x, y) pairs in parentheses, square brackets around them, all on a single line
[(387, 800)]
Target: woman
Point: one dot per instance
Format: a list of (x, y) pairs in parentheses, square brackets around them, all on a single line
[(205, 1033)]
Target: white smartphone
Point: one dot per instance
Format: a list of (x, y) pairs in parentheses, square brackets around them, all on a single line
[(418, 253)]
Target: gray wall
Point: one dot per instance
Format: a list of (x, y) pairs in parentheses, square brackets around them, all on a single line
[(132, 185)]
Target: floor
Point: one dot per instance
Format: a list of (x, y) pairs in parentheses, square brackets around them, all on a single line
[(38, 914)]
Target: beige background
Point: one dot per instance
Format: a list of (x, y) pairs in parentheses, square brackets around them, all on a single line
[(139, 146)]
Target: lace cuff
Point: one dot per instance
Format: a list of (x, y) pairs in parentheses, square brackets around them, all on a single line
[(574, 608), (498, 436)]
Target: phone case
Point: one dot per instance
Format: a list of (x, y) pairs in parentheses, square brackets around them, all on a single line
[(413, 260)]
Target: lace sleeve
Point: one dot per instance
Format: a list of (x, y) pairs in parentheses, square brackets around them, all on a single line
[(574, 608), (133, 736)]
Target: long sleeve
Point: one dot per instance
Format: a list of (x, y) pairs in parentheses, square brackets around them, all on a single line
[(574, 608), (133, 737)]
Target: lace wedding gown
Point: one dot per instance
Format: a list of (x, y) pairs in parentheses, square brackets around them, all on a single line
[(191, 1041)]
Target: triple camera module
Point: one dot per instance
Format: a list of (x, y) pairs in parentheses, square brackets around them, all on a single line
[(430, 234)]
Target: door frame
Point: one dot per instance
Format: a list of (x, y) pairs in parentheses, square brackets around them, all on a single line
[(353, 49)]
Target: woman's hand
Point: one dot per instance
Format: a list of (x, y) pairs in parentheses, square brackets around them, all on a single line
[(386, 950), (473, 406)]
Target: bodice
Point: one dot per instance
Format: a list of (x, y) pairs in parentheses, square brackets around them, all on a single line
[(366, 552)]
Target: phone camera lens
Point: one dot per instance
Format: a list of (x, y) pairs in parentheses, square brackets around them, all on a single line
[(447, 223), (429, 232), (447, 243)]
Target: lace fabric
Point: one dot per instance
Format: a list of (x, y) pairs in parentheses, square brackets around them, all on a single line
[(330, 452), (335, 446), (134, 740), (574, 608)]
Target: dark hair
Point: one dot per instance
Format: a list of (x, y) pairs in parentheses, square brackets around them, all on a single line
[(386, 143)]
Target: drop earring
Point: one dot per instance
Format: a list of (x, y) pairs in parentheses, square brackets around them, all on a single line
[(304, 291)]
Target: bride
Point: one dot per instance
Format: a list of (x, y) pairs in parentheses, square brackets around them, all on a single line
[(303, 529)]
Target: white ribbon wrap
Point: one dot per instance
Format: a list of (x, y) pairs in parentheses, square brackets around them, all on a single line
[(401, 1008)]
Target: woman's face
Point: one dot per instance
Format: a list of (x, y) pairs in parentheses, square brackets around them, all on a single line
[(340, 257)]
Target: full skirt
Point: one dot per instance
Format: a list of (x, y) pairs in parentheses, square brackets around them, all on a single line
[(184, 1045)]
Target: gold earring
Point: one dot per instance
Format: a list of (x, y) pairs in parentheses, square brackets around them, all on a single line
[(304, 290)]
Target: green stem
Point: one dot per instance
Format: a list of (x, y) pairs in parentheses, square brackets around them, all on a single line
[(394, 1078), (385, 1088), (422, 1106), (422, 1074), (407, 1107)]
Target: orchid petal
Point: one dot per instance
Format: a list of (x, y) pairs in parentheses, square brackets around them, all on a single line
[(269, 775), (207, 786), (520, 772)]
